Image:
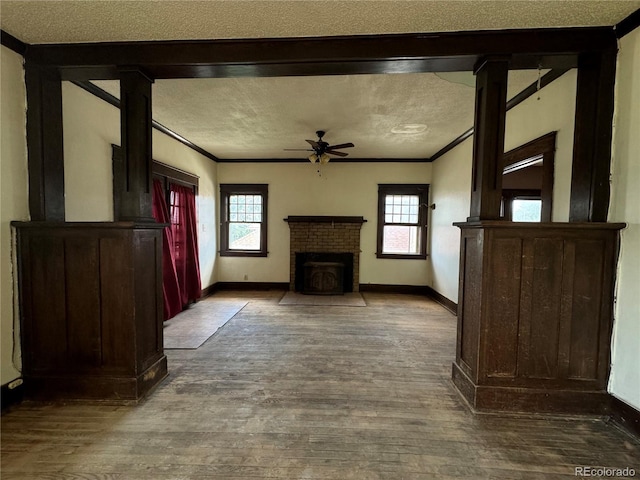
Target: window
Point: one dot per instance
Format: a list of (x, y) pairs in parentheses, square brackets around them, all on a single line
[(402, 221), (521, 205), (243, 220)]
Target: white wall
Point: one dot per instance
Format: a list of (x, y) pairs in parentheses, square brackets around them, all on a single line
[(15, 205), (624, 382), (555, 110), (91, 125), (343, 189)]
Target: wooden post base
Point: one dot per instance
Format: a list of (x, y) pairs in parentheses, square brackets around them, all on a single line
[(491, 398)]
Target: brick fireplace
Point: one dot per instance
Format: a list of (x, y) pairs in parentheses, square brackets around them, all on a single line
[(325, 235)]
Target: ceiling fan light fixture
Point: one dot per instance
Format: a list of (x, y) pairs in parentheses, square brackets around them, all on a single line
[(324, 158), (313, 158)]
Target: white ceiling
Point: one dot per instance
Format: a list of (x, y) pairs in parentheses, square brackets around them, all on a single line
[(259, 117)]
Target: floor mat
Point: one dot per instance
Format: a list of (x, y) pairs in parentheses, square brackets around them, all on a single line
[(194, 326), (352, 299)]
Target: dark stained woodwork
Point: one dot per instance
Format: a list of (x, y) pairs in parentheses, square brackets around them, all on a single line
[(626, 416), (628, 25), (488, 140), (590, 177), (135, 128), (91, 309), (545, 146), (535, 315), (44, 143), (323, 219), (397, 53), (11, 42)]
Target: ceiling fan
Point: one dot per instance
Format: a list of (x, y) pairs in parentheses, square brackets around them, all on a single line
[(321, 149)]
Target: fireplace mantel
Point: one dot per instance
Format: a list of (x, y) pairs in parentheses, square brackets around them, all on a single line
[(323, 219)]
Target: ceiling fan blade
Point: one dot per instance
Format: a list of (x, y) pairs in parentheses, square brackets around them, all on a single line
[(342, 145), (298, 149), (313, 143), (340, 154)]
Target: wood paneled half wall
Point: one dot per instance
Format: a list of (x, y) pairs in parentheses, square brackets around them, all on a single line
[(535, 315), (91, 309)]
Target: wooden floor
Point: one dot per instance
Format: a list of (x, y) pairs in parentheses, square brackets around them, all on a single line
[(293, 392)]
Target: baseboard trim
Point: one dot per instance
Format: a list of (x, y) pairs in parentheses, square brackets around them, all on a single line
[(625, 416), (444, 301), (528, 400), (210, 290), (405, 289), (248, 286), (11, 396)]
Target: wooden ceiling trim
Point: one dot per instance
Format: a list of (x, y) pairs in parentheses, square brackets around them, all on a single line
[(400, 53)]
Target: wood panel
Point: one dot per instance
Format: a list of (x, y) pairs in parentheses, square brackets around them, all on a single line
[(501, 353), (537, 298), (84, 336), (587, 300), (470, 300), (91, 319)]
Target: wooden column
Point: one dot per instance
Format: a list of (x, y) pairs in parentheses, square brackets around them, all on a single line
[(135, 127), (592, 138), (488, 140), (44, 142)]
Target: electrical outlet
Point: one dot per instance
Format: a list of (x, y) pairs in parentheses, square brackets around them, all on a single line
[(15, 384)]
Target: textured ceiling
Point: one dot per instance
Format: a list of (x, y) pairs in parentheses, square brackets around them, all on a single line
[(54, 21), (259, 117)]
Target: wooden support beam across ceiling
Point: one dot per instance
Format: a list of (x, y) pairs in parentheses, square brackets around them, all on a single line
[(402, 53)]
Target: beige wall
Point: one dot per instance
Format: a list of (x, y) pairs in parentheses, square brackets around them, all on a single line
[(452, 174), (90, 127), (342, 189), (625, 201), (14, 206)]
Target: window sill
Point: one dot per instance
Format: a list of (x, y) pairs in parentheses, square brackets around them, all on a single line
[(402, 256), (234, 253)]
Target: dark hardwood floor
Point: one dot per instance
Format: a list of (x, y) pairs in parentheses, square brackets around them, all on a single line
[(308, 392)]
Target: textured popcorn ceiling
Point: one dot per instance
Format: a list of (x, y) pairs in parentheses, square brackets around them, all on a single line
[(54, 21), (259, 117)]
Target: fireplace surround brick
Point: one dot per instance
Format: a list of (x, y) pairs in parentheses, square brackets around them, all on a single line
[(325, 234)]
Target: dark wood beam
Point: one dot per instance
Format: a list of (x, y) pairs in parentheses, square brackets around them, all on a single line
[(488, 141), (628, 25), (135, 127), (45, 143), (551, 48), (13, 43), (590, 190)]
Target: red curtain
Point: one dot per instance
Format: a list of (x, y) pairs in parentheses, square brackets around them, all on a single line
[(170, 287), (184, 227)]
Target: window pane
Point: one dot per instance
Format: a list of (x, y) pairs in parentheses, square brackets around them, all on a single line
[(401, 239), (401, 208), (524, 210), (257, 200), (244, 236), (234, 198)]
